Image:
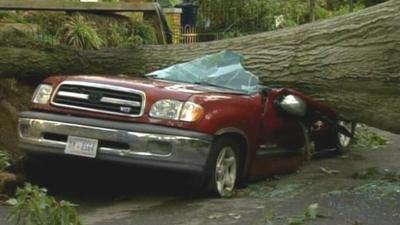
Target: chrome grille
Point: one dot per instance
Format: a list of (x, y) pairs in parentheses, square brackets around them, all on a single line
[(103, 98)]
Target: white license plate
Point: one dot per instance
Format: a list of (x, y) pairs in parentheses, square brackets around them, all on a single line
[(79, 146)]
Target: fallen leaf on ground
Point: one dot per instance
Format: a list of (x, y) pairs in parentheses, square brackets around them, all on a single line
[(327, 171), (235, 216), (215, 216)]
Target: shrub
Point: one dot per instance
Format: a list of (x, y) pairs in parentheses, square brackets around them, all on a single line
[(252, 15), (261, 15), (4, 160), (85, 31), (146, 33), (115, 34), (12, 17), (33, 206), (79, 33), (4, 14), (49, 23)]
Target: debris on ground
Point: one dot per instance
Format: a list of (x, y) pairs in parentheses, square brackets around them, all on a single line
[(366, 138), (216, 216), (373, 173), (266, 190), (33, 205), (328, 171), (235, 216), (311, 213), (378, 184)]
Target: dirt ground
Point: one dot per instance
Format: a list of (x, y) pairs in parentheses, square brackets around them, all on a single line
[(365, 190)]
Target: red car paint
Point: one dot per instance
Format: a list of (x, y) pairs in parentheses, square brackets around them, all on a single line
[(253, 117)]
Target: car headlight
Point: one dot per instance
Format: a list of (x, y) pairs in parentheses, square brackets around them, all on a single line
[(42, 94), (176, 110), (191, 112), (166, 109)]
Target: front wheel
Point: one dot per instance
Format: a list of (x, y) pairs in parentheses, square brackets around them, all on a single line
[(224, 167), (343, 141)]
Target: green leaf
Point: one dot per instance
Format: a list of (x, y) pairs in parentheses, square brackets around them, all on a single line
[(296, 221), (33, 206), (12, 201), (312, 211)]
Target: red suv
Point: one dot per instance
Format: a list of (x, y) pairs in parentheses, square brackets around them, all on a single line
[(227, 132)]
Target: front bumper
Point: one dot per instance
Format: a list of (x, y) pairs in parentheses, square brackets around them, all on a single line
[(138, 144)]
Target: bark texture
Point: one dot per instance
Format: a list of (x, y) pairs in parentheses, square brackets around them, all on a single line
[(350, 62)]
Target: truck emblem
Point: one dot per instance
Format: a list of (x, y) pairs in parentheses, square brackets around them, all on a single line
[(125, 109), (95, 97)]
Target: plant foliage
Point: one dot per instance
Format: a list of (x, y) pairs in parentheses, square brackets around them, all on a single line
[(145, 32), (81, 34), (4, 160), (310, 213), (248, 16), (33, 206), (83, 31), (365, 138)]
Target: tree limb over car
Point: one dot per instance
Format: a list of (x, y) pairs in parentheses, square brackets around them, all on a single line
[(350, 62)]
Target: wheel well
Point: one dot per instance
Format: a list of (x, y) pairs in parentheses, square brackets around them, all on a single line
[(243, 146)]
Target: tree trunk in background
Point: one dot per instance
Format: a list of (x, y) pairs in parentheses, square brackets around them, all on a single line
[(312, 10), (351, 5), (350, 62)]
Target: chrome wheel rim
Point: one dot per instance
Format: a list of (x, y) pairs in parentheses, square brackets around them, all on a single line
[(343, 139), (225, 171)]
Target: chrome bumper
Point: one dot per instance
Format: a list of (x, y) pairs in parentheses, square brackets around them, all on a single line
[(121, 142)]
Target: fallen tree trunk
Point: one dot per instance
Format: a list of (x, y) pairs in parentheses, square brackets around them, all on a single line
[(350, 62)]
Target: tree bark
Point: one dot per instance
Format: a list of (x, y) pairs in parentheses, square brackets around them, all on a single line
[(351, 62)]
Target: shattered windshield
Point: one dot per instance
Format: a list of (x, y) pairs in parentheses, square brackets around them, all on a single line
[(223, 70)]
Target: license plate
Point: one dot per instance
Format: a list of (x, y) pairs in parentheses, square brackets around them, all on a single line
[(79, 146)]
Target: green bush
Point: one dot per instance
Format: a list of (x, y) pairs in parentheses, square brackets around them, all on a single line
[(12, 17), (84, 31), (4, 14), (115, 34), (261, 15), (79, 33), (4, 160), (251, 15), (145, 32), (365, 138), (33, 206), (49, 23), (167, 3)]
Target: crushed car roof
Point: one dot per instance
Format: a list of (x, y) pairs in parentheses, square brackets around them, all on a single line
[(223, 69)]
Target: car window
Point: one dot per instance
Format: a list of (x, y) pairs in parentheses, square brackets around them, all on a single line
[(223, 70)]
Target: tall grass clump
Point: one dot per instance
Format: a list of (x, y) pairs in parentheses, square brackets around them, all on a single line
[(79, 33)]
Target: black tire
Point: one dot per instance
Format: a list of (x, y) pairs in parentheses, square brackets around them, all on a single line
[(343, 143), (227, 150)]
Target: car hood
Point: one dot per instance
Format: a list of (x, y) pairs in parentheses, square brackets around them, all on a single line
[(179, 90)]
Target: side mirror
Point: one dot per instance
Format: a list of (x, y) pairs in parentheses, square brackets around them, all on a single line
[(293, 105)]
